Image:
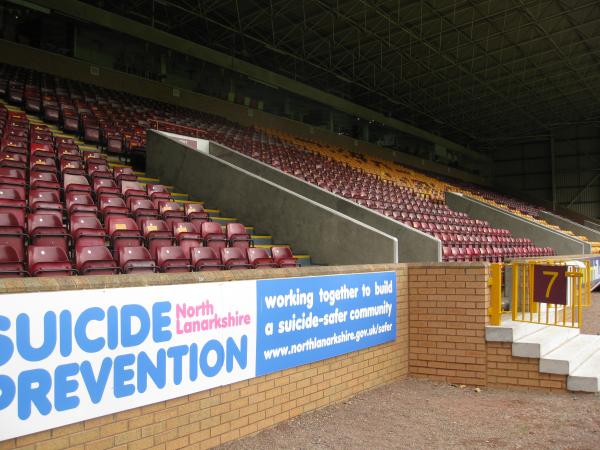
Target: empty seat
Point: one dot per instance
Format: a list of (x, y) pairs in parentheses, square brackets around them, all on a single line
[(80, 202), (157, 235), (87, 231), (44, 180), (186, 235), (95, 260), (106, 186), (234, 258), (12, 202), (171, 211), (259, 258), (12, 234), (213, 235), (173, 259), (11, 265), (237, 236), (47, 201), (136, 260), (133, 189), (158, 191), (48, 261), (112, 206), (283, 257), (141, 208), (46, 230), (194, 212), (205, 259), (123, 232), (76, 183)]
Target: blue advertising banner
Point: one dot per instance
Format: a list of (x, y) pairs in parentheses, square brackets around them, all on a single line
[(69, 356), (302, 320)]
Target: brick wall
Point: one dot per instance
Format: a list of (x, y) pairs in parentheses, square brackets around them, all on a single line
[(215, 416), (505, 370), (448, 312)]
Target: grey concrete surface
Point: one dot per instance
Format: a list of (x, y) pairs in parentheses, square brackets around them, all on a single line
[(414, 246), (327, 235), (519, 227), (578, 229)]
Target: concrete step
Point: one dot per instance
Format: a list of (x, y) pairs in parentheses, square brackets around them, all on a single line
[(541, 342), (569, 356), (510, 331), (586, 377)]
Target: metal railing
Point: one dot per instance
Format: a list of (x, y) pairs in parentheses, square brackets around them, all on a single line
[(553, 291)]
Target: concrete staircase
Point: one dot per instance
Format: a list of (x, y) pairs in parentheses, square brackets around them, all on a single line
[(561, 351)]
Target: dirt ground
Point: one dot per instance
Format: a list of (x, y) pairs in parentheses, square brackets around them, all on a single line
[(421, 414)]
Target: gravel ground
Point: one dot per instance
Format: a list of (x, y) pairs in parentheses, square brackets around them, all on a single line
[(420, 414)]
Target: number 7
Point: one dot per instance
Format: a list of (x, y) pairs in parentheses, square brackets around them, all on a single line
[(554, 276)]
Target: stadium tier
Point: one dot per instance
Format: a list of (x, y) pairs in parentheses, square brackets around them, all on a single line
[(117, 123), (67, 208)]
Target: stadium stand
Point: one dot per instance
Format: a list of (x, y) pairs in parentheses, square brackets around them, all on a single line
[(117, 123), (74, 209)]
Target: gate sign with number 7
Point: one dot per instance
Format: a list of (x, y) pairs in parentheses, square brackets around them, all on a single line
[(550, 284)]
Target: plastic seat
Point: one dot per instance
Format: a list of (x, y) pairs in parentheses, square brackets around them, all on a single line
[(48, 261), (106, 186), (80, 202), (47, 230), (283, 257), (123, 232), (171, 211), (124, 174), (11, 265), (234, 258), (158, 191), (87, 231), (95, 260), (196, 214), (213, 235), (206, 259), (96, 170), (46, 201), (42, 164), (76, 183), (173, 259), (259, 258), (237, 236), (44, 180), (112, 206), (12, 202), (157, 235), (133, 189), (12, 234), (72, 167), (187, 235), (141, 208), (136, 260)]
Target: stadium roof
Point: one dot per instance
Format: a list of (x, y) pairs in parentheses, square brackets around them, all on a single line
[(474, 72)]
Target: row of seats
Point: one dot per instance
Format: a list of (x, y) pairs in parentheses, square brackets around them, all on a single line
[(48, 261)]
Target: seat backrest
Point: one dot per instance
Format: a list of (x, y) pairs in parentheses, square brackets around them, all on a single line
[(179, 227), (203, 254), (69, 179), (131, 186), (10, 194), (94, 253), (43, 195), (152, 225), (255, 254), (119, 223), (111, 200), (235, 228), (11, 172), (8, 254), (193, 207), (133, 253), (136, 203), (40, 220), (232, 253), (166, 206), (79, 198), (8, 220), (79, 222), (39, 254), (104, 182), (168, 253), (281, 253), (210, 228)]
